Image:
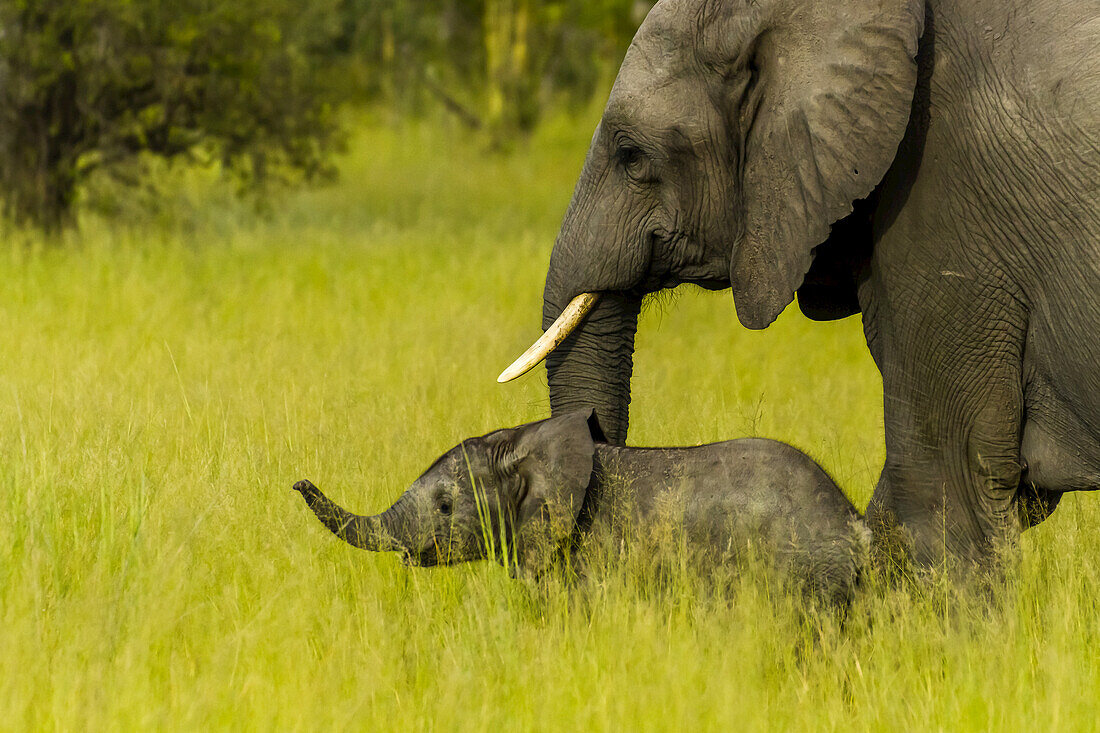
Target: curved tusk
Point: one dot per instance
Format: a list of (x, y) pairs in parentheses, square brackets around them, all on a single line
[(573, 314)]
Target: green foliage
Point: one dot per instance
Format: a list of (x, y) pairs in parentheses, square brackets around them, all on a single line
[(91, 89), (497, 64), (89, 85), (165, 386)]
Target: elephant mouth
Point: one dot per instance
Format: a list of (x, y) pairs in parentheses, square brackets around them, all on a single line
[(420, 558), (579, 307), (443, 551)]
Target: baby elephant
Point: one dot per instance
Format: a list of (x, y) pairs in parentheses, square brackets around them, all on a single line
[(531, 493)]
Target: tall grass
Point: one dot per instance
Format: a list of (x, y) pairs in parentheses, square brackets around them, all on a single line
[(165, 380)]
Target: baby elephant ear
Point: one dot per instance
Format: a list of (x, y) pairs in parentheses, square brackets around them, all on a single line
[(555, 459)]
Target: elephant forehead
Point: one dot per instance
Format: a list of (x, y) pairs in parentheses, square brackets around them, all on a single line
[(441, 473), (668, 105), (646, 68), (662, 35), (464, 463), (680, 28), (659, 82), (663, 43)]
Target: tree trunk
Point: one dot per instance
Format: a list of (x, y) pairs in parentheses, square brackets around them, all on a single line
[(40, 141), (494, 65), (510, 104)]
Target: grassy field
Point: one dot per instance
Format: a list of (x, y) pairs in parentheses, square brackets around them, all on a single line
[(165, 382)]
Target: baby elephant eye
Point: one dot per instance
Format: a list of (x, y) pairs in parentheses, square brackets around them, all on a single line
[(445, 507)]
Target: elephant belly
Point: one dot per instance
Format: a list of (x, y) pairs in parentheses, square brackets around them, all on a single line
[(1058, 463), (1061, 450)]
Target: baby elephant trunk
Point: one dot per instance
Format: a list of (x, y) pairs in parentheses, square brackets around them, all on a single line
[(367, 533)]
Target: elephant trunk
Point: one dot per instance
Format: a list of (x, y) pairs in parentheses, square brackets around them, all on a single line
[(591, 369), (365, 532)]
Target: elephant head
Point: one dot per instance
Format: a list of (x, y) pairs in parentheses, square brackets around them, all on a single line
[(513, 495), (736, 134)]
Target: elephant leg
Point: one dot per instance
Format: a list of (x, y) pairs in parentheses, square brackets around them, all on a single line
[(949, 347)]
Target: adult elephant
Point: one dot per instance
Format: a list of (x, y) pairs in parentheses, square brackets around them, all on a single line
[(931, 164)]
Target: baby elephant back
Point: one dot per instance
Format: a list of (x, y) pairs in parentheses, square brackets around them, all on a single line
[(767, 494)]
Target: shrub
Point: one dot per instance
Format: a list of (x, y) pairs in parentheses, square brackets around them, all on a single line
[(100, 85)]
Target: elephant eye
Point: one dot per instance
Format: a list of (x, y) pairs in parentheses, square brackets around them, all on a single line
[(445, 507), (630, 157), (634, 162)]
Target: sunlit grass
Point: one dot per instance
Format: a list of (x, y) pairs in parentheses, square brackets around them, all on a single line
[(166, 380)]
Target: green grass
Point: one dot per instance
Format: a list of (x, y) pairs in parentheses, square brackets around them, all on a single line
[(164, 382)]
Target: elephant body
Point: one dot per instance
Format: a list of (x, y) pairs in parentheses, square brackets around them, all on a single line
[(933, 165), (729, 502), (981, 301), (530, 494)]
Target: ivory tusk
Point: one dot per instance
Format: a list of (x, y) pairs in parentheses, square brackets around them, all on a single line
[(573, 314)]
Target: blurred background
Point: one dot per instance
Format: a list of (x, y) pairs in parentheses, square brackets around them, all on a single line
[(96, 94)]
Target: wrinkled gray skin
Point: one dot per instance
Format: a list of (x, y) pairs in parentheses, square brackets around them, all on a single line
[(549, 486), (932, 165)]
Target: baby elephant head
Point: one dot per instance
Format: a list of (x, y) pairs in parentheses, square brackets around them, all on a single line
[(513, 495)]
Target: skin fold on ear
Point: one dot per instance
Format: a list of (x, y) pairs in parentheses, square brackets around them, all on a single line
[(829, 289), (833, 87), (555, 458)]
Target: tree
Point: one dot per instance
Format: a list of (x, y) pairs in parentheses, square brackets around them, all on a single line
[(496, 63), (91, 85)]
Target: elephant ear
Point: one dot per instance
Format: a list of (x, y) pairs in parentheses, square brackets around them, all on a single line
[(554, 460), (833, 87)]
